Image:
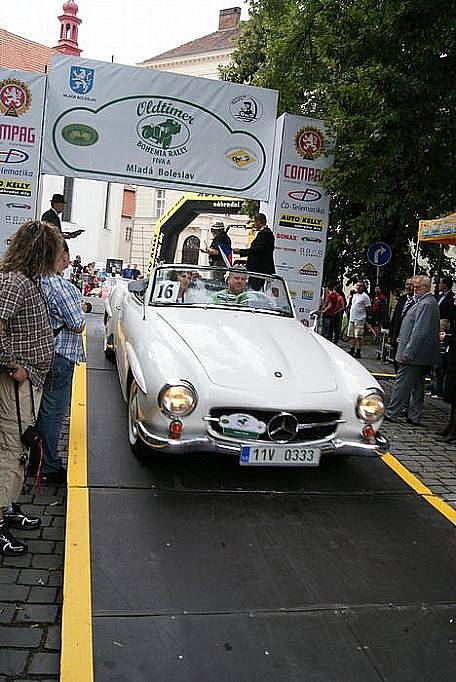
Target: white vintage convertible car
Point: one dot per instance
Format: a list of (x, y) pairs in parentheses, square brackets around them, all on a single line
[(214, 360)]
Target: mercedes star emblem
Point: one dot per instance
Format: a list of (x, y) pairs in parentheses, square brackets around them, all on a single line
[(283, 427)]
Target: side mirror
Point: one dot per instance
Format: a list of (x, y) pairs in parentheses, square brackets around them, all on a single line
[(315, 316)]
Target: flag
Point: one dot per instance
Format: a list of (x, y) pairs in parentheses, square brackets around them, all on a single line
[(226, 253)]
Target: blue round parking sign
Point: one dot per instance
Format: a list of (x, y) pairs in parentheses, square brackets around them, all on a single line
[(379, 254)]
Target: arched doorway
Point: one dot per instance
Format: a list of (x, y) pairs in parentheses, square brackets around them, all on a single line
[(190, 250)]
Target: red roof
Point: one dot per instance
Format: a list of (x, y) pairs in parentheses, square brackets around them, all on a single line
[(23, 54), (219, 40)]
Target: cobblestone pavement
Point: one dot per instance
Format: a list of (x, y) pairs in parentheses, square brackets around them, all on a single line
[(30, 586), (31, 589), (420, 449)]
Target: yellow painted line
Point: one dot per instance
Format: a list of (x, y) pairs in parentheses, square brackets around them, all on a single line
[(379, 374), (76, 659), (419, 487)]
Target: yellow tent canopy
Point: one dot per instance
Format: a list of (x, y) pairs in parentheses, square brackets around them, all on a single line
[(438, 230)]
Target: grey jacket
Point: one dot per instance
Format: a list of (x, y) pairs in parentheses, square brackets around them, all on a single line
[(419, 335)]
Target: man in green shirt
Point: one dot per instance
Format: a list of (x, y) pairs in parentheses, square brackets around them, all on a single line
[(235, 293)]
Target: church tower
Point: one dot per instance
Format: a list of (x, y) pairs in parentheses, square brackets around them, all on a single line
[(69, 25)]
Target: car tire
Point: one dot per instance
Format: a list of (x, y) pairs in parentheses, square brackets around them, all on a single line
[(108, 350), (137, 446)]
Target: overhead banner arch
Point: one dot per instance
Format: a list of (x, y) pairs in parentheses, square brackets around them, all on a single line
[(130, 125), (180, 215)]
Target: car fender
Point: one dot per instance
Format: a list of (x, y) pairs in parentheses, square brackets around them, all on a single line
[(135, 368)]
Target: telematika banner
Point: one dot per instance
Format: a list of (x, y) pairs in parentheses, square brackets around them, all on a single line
[(21, 116), (125, 124), (299, 211)]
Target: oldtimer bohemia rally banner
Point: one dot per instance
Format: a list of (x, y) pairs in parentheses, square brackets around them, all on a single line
[(125, 124), (21, 115), (299, 217)]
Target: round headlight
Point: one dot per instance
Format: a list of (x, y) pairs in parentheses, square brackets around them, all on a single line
[(370, 407), (177, 401)]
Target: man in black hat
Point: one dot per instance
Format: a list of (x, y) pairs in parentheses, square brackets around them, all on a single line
[(52, 216), (219, 239)]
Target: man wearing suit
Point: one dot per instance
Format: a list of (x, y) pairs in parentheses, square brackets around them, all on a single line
[(404, 303), (445, 299), (418, 347), (260, 255), (53, 216)]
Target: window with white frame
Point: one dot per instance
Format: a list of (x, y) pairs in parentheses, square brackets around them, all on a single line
[(160, 202)]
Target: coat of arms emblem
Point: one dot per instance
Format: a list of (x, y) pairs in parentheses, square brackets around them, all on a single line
[(81, 79)]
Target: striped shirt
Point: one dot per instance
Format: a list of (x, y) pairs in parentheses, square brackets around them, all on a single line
[(26, 337), (64, 301)]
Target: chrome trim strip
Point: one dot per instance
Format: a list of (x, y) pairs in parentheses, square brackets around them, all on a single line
[(208, 444)]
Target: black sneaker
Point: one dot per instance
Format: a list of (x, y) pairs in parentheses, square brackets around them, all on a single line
[(357, 354), (58, 477), (9, 545), (17, 519)]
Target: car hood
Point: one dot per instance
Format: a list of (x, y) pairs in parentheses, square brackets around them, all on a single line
[(253, 351)]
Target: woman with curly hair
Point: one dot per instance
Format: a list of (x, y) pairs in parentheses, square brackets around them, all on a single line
[(26, 351)]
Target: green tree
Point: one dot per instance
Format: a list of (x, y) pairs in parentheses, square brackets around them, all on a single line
[(381, 73)]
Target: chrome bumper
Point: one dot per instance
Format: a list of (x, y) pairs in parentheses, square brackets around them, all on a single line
[(332, 446)]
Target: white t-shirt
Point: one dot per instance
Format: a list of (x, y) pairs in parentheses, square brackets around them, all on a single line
[(358, 307), (66, 274)]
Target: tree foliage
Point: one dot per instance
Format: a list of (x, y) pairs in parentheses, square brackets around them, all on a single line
[(382, 74)]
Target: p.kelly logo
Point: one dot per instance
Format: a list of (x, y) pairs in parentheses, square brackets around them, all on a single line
[(303, 222), (308, 270), (15, 97), (309, 142)]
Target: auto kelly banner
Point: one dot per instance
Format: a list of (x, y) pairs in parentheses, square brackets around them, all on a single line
[(125, 124), (21, 115), (298, 210)]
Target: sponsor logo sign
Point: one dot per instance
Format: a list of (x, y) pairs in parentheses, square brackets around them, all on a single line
[(301, 221), (81, 79), (13, 156), (307, 294), (16, 188), (299, 173), (80, 134), (191, 134), (309, 141), (15, 97), (305, 195), (246, 109), (21, 114), (308, 270)]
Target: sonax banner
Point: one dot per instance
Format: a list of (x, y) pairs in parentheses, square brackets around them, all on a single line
[(299, 212), (21, 115), (127, 124)]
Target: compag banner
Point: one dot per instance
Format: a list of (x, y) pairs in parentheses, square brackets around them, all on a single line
[(126, 124), (21, 114), (299, 213)]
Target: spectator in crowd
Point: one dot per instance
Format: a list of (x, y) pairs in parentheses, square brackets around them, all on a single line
[(360, 306), (67, 320), (260, 254), (52, 216), (449, 386), (404, 303), (445, 299), (379, 311), (341, 304), (329, 312), (220, 241), (135, 272), (127, 273), (26, 351), (418, 347)]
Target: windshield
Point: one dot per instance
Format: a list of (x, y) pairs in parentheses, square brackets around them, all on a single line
[(219, 287)]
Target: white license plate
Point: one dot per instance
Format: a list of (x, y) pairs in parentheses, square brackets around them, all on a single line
[(282, 455)]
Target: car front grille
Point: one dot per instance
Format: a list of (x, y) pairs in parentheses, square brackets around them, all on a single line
[(312, 424)]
